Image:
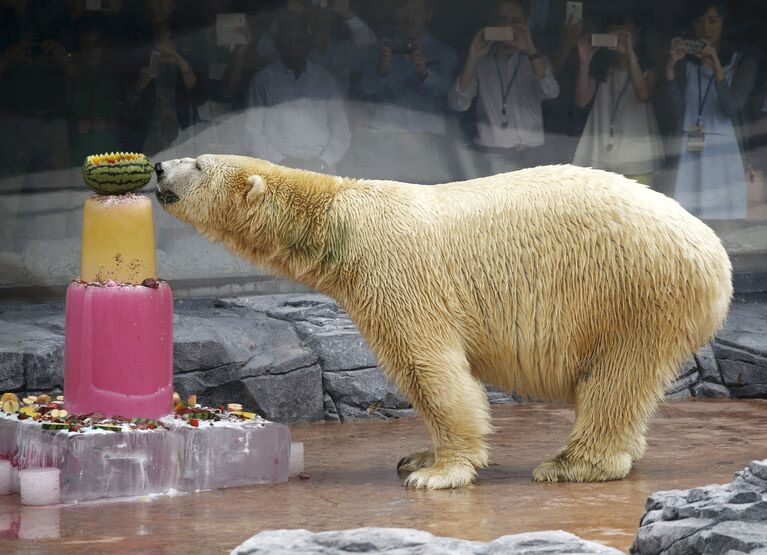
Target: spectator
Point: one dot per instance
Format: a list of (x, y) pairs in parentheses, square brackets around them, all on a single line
[(703, 96), (33, 133), (409, 74), (340, 56), (161, 95), (510, 79), (615, 85), (93, 98), (296, 115)]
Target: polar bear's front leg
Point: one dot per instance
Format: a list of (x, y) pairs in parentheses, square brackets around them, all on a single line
[(454, 408)]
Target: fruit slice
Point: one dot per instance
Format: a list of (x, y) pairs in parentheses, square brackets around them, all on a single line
[(29, 411), (11, 406), (43, 399), (117, 172), (109, 427), (55, 426), (9, 397)]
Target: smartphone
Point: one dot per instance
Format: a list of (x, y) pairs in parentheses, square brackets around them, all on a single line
[(604, 40), (401, 46), (694, 47), (574, 13), (154, 63), (226, 28), (499, 34)]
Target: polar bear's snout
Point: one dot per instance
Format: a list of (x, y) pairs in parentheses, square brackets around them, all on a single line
[(167, 174)]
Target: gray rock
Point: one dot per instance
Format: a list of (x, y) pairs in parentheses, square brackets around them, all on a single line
[(707, 365), (403, 541), (30, 357), (708, 519), (331, 411), (740, 536), (362, 393), (708, 390), (740, 373), (220, 338), (754, 391), (286, 398), (746, 329), (340, 349)]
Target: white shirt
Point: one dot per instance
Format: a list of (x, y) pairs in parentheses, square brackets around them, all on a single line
[(635, 146), (302, 117), (523, 101)]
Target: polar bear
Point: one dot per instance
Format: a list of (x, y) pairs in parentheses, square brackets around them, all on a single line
[(558, 282)]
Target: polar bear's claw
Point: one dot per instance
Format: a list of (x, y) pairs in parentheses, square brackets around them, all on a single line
[(416, 461), (562, 469), (442, 476)]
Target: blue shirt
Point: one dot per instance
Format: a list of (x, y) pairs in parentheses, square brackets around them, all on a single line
[(406, 102)]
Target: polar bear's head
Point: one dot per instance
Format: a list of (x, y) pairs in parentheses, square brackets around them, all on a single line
[(211, 191), (258, 209)]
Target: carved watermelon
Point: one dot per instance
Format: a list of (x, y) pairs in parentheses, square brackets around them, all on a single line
[(117, 172)]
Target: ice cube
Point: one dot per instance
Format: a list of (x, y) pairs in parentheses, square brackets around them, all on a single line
[(296, 464), (40, 486), (5, 477)]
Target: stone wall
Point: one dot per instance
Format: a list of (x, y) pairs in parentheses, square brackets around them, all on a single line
[(299, 358)]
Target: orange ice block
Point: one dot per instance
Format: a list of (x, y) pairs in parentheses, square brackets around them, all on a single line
[(118, 239)]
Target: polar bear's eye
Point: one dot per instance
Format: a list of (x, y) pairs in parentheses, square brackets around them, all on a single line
[(197, 165)]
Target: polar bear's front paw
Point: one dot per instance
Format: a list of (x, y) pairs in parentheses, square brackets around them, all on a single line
[(416, 461), (565, 469), (442, 476)]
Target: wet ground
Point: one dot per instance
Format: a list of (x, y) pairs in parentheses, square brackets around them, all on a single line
[(351, 483)]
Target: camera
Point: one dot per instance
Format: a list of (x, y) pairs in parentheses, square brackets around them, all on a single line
[(499, 34), (604, 40), (401, 45), (694, 47)]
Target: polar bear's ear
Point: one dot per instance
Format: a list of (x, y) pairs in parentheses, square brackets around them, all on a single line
[(257, 186)]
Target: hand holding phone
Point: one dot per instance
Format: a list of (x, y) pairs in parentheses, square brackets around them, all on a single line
[(499, 34), (574, 13), (604, 40)]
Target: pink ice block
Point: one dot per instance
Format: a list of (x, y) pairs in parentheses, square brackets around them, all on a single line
[(118, 351)]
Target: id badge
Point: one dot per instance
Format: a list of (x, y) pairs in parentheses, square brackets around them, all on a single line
[(696, 138)]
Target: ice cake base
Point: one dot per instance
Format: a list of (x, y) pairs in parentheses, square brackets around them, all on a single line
[(101, 464)]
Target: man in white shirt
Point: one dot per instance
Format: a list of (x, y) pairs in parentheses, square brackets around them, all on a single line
[(296, 116), (510, 79)]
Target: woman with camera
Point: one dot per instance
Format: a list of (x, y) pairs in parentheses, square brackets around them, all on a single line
[(615, 86), (706, 85)]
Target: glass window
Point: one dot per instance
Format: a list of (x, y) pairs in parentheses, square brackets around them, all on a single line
[(670, 93)]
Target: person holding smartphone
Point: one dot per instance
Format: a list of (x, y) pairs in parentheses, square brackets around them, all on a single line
[(407, 74), (703, 96), (510, 79), (615, 86)]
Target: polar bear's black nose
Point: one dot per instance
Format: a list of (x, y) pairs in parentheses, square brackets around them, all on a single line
[(158, 169)]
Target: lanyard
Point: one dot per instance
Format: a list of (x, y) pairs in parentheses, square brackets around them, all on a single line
[(702, 103), (615, 102), (505, 94)]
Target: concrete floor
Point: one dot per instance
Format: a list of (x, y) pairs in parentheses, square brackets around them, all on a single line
[(352, 483)]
